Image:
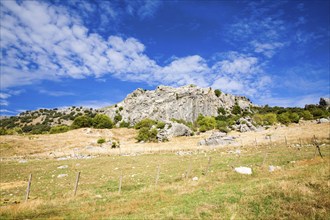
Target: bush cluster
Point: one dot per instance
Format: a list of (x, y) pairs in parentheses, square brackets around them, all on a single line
[(147, 131)]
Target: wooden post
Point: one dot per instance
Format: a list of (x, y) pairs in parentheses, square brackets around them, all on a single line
[(255, 139), (300, 142), (317, 147), (157, 175), (270, 140), (264, 160), (208, 165), (120, 182), (286, 141), (76, 185), (28, 188), (189, 169)]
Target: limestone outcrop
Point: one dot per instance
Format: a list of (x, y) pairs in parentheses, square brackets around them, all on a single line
[(166, 103)]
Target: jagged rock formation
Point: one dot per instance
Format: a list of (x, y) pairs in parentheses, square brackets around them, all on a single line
[(325, 102), (165, 103)]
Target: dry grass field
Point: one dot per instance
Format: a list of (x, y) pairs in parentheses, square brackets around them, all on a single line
[(298, 190)]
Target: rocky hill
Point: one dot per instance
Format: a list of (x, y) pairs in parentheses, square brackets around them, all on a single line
[(166, 103)]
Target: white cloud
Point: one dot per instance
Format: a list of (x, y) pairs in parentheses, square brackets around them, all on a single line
[(56, 93), (267, 49), (4, 95), (44, 42), (4, 102)]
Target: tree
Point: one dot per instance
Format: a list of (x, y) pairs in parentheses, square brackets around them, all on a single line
[(217, 92), (82, 122), (102, 121)]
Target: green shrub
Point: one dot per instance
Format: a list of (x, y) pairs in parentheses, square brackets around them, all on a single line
[(284, 118), (307, 115), (269, 119), (124, 124), (121, 108), (59, 129), (117, 118), (115, 144), (258, 119), (221, 111), (101, 141), (102, 121), (147, 135), (145, 123), (217, 92), (160, 125), (236, 110), (294, 117), (206, 123), (82, 122)]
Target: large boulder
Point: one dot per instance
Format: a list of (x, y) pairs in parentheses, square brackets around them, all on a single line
[(173, 129), (217, 138)]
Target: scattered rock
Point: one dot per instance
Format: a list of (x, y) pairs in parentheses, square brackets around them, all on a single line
[(323, 120), (63, 167), (272, 168), (22, 161), (98, 197), (62, 175), (217, 138), (195, 178), (183, 153), (243, 170)]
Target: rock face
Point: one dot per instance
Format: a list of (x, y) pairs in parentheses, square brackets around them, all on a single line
[(325, 102), (165, 103), (244, 125)]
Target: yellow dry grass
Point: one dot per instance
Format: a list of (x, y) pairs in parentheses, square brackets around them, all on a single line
[(65, 143)]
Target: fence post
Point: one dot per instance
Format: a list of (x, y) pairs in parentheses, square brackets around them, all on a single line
[(28, 188), (157, 175), (317, 148), (189, 169), (76, 185), (120, 182), (208, 165), (286, 141), (255, 139)]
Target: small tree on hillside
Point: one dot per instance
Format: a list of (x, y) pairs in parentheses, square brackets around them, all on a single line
[(102, 121)]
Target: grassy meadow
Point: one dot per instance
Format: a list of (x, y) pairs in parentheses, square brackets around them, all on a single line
[(299, 190)]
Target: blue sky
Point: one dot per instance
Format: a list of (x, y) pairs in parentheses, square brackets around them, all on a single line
[(93, 53)]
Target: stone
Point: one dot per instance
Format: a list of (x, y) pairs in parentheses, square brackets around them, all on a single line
[(323, 120), (165, 103), (243, 170), (272, 168), (62, 175), (195, 178), (217, 138), (173, 129), (22, 161), (63, 167)]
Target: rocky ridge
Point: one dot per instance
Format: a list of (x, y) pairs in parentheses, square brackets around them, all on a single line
[(166, 103)]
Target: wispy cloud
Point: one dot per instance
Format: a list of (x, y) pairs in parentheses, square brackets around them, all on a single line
[(56, 93), (44, 42)]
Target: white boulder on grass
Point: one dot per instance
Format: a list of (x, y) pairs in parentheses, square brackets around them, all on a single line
[(243, 170)]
